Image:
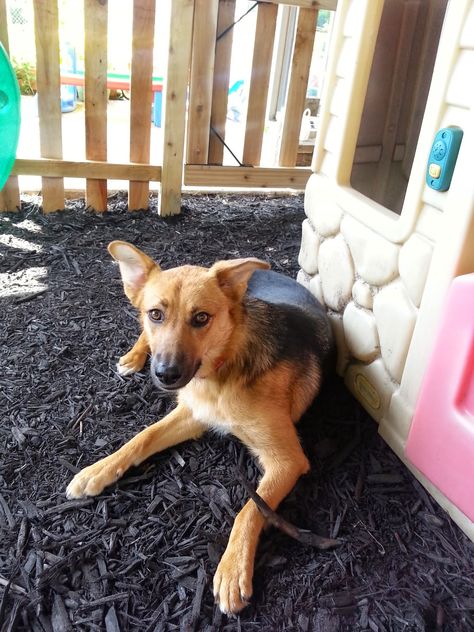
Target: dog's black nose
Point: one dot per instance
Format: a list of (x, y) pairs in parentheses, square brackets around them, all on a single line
[(168, 374)]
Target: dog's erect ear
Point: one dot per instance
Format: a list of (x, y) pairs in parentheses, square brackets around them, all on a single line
[(135, 267), (233, 276)]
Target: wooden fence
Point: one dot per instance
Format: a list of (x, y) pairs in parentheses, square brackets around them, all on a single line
[(195, 103)]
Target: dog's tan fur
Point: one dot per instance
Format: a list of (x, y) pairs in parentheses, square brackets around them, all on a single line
[(259, 405)]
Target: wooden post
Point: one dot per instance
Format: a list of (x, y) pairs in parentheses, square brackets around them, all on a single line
[(200, 87), (259, 82), (10, 194), (174, 119), (220, 87), (95, 92), (49, 96), (141, 95), (298, 85)]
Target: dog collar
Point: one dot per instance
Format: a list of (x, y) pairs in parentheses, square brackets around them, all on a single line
[(218, 363)]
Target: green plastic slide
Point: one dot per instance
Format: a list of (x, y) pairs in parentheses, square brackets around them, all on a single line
[(9, 116)]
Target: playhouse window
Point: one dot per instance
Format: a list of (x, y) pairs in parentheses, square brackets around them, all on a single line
[(396, 96)]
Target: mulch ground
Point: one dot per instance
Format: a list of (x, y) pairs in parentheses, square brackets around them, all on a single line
[(141, 556)]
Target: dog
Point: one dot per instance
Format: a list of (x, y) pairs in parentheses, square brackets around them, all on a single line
[(246, 350)]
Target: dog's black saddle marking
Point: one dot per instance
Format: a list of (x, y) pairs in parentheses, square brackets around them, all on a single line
[(277, 289), (297, 323)]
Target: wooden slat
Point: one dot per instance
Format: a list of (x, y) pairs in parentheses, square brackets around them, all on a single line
[(87, 169), (174, 116), (49, 96), (74, 194), (220, 88), (195, 175), (200, 88), (259, 82), (10, 194), (300, 66), (246, 177), (95, 62), (141, 95), (308, 4)]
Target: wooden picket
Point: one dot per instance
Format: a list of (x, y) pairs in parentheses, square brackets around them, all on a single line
[(220, 87), (200, 89), (176, 84), (49, 100), (140, 98), (259, 82), (305, 32), (95, 62), (200, 48)]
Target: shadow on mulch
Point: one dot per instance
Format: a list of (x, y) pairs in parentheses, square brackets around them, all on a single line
[(141, 556)]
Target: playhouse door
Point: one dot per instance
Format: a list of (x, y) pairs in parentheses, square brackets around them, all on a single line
[(441, 439)]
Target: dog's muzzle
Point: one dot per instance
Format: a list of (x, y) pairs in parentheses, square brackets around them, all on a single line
[(170, 374)]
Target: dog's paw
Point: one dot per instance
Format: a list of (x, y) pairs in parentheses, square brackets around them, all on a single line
[(131, 362), (233, 582), (92, 480)]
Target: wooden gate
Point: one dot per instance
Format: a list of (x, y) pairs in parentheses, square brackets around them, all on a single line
[(195, 103)]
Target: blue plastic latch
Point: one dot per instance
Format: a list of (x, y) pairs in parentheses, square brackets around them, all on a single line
[(443, 156)]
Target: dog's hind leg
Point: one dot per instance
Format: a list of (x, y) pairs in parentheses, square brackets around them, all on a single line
[(176, 427), (283, 462), (135, 359)]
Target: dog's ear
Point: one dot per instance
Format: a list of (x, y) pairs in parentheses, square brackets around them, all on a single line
[(135, 267), (233, 276)]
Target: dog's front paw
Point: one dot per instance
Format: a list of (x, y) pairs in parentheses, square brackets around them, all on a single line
[(233, 581), (131, 362), (93, 479)]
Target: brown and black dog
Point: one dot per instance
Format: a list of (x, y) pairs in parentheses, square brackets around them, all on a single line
[(245, 349)]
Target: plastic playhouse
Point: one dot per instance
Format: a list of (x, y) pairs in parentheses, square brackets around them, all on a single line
[(388, 243)]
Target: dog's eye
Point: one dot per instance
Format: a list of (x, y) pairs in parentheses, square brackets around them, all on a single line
[(200, 319), (156, 315)]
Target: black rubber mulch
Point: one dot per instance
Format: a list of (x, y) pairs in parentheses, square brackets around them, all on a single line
[(142, 555)]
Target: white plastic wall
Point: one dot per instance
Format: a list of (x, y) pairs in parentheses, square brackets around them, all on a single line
[(383, 277)]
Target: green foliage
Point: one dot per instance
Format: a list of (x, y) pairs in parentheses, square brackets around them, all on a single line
[(26, 76)]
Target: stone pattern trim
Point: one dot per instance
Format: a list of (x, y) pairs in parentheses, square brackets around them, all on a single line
[(371, 287)]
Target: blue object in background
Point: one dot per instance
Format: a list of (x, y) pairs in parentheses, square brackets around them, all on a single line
[(68, 93), (235, 86), (236, 101), (443, 156), (156, 110), (68, 98)]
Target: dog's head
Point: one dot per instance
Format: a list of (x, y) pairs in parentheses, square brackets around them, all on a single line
[(189, 313)]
